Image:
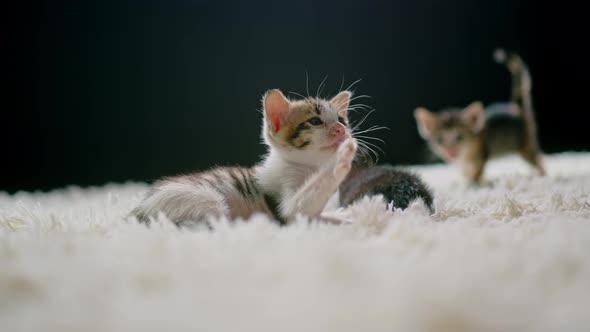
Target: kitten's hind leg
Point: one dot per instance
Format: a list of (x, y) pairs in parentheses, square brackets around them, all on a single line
[(535, 159), (184, 204)]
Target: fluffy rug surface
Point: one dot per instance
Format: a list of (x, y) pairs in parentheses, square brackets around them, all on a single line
[(511, 255)]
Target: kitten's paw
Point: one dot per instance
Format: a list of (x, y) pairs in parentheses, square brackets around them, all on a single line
[(344, 157)]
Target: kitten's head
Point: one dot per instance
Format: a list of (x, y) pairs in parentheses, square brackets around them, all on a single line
[(306, 131), (448, 132)]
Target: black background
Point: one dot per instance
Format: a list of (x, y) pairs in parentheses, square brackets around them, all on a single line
[(102, 90)]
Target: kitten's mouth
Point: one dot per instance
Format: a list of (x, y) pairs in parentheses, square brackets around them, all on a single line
[(335, 144), (450, 153)]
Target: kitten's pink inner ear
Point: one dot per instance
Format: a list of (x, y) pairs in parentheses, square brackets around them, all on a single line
[(276, 106), (426, 122), (341, 101), (475, 115)]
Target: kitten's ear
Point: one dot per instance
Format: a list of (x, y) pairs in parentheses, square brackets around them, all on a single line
[(426, 121), (276, 106), (475, 115), (341, 101)]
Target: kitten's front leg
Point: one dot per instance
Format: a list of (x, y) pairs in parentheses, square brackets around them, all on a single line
[(311, 198), (344, 158), (473, 170)]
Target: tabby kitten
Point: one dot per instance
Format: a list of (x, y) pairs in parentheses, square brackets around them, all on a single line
[(473, 135), (310, 151), (398, 187)]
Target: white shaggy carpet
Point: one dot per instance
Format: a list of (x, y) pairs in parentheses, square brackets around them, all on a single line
[(510, 256)]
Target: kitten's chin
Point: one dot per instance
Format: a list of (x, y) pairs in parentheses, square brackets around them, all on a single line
[(332, 147)]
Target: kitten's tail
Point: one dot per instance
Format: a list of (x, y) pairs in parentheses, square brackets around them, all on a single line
[(521, 86)]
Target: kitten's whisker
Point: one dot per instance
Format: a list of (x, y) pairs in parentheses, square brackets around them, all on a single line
[(363, 152), (369, 137), (355, 105), (306, 82), (373, 145), (319, 89), (361, 96), (351, 105), (353, 84), (375, 153), (363, 144), (341, 84), (362, 120), (298, 94), (374, 128), (366, 142), (360, 109), (364, 132), (361, 105), (307, 99)]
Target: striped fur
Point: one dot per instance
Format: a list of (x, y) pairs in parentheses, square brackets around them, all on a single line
[(225, 191)]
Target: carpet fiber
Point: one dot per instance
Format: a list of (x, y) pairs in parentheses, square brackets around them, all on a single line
[(512, 255)]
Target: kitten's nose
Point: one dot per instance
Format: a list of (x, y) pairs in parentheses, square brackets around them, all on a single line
[(337, 130)]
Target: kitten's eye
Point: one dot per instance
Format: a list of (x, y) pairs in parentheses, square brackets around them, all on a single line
[(315, 121), (459, 137)]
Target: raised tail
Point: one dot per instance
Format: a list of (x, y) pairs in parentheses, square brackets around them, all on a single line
[(521, 86), (521, 96)]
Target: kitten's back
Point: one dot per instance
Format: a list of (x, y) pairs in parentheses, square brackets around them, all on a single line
[(224, 191), (504, 129), (397, 186)]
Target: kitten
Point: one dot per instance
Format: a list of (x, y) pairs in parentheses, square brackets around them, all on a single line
[(310, 151), (473, 135), (397, 186)]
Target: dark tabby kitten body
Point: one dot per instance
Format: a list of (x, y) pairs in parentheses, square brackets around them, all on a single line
[(398, 187), (473, 135)]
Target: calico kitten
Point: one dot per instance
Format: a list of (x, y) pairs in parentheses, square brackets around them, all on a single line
[(310, 151), (398, 187), (473, 135)]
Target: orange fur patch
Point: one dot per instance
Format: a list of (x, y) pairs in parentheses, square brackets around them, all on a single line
[(300, 112)]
